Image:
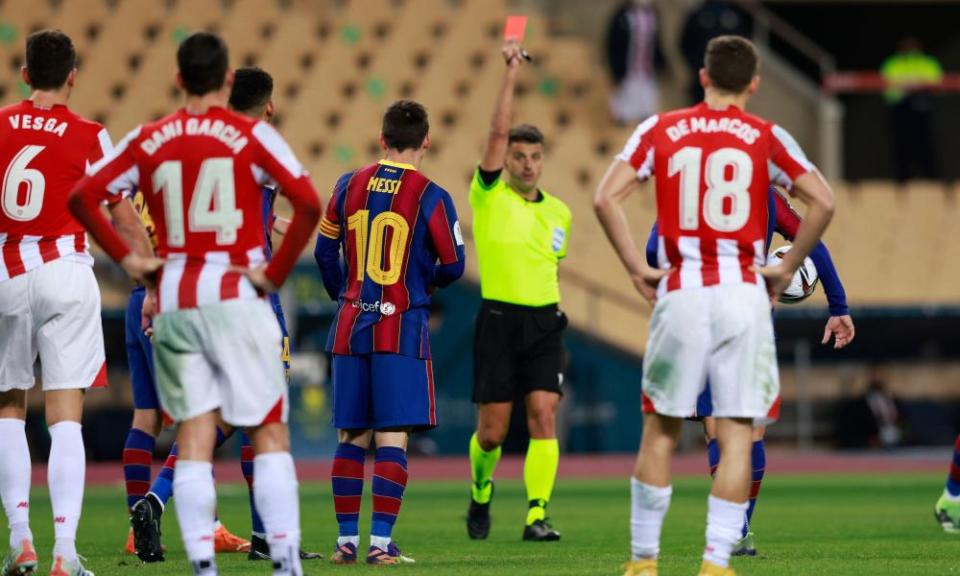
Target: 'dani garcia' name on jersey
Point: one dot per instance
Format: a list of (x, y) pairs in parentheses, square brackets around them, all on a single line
[(38, 123), (226, 133), (699, 124)]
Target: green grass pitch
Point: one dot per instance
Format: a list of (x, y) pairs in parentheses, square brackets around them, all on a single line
[(805, 525)]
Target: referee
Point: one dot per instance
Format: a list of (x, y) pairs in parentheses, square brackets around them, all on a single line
[(521, 233)]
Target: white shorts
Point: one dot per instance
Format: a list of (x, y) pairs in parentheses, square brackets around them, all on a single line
[(53, 312), (221, 356), (722, 332)]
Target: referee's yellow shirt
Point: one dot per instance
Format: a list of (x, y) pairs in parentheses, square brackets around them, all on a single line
[(519, 243)]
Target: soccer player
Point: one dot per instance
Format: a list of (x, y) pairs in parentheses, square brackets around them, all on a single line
[(840, 328), (947, 510), (400, 239), (712, 165), (521, 233), (49, 298), (216, 340)]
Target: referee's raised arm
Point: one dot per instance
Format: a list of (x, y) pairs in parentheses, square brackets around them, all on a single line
[(495, 148), (521, 234)]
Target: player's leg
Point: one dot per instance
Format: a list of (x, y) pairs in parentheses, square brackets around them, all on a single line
[(15, 481), (758, 459), (246, 348), (674, 374), (17, 355), (346, 477), (353, 418), (190, 392), (540, 465), (402, 394), (947, 510), (70, 342), (258, 533), (494, 371), (745, 389)]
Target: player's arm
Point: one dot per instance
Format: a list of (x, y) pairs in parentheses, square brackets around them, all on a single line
[(495, 148), (840, 325), (327, 250), (616, 186), (806, 183), (106, 181), (280, 226), (274, 157), (447, 240), (632, 166)]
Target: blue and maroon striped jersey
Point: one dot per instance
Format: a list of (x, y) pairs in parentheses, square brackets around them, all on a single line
[(400, 237)]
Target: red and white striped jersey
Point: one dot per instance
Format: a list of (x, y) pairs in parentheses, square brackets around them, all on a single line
[(201, 177), (44, 152), (712, 170)]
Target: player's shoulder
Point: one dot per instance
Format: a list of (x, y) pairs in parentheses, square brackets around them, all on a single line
[(556, 205), (760, 122)]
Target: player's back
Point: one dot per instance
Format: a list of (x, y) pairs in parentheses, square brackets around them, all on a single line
[(44, 152), (712, 169), (201, 177), (397, 225)]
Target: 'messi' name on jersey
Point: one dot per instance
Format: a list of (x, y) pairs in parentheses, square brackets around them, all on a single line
[(31, 122), (701, 125), (226, 133), (385, 185)]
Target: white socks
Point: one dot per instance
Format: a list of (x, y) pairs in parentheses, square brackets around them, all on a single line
[(196, 509), (15, 479), (275, 493), (649, 505), (724, 525), (66, 474), (355, 540)]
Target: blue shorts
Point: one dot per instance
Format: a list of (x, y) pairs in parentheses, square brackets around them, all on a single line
[(278, 311), (704, 404), (377, 391), (140, 355)]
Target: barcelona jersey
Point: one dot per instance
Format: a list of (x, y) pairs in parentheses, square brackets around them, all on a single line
[(399, 236)]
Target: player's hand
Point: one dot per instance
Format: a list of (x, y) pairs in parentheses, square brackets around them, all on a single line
[(841, 329), (147, 312), (512, 53), (647, 280), (143, 270), (258, 277), (776, 277)]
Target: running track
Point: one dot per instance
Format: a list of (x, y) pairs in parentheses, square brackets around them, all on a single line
[(575, 466)]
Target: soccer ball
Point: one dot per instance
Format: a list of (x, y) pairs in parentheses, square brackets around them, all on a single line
[(804, 281)]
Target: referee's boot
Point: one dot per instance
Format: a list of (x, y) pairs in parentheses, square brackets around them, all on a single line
[(540, 530), (478, 517)]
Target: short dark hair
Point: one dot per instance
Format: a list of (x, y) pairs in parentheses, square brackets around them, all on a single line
[(202, 59), (252, 88), (527, 133), (405, 125), (50, 59), (731, 63)]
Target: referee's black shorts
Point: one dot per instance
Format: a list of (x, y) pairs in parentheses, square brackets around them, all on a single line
[(517, 349)]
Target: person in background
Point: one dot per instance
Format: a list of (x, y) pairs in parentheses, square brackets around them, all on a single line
[(710, 19), (909, 72), (634, 58)]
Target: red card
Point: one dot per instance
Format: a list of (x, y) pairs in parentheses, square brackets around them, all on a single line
[(516, 28)]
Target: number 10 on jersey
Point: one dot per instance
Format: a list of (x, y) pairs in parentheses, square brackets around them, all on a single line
[(370, 245)]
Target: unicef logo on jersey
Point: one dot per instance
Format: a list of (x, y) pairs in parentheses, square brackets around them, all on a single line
[(384, 308), (559, 237)]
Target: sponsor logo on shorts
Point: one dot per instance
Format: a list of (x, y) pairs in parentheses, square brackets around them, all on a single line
[(385, 308)]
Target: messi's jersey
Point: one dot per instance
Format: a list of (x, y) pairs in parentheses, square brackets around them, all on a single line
[(396, 230)]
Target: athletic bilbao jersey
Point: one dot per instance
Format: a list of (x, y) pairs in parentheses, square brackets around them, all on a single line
[(394, 226), (44, 152), (201, 177), (712, 170)]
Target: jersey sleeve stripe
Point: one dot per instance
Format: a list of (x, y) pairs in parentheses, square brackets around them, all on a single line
[(124, 182), (106, 144), (788, 156), (120, 149), (277, 147), (635, 150)]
